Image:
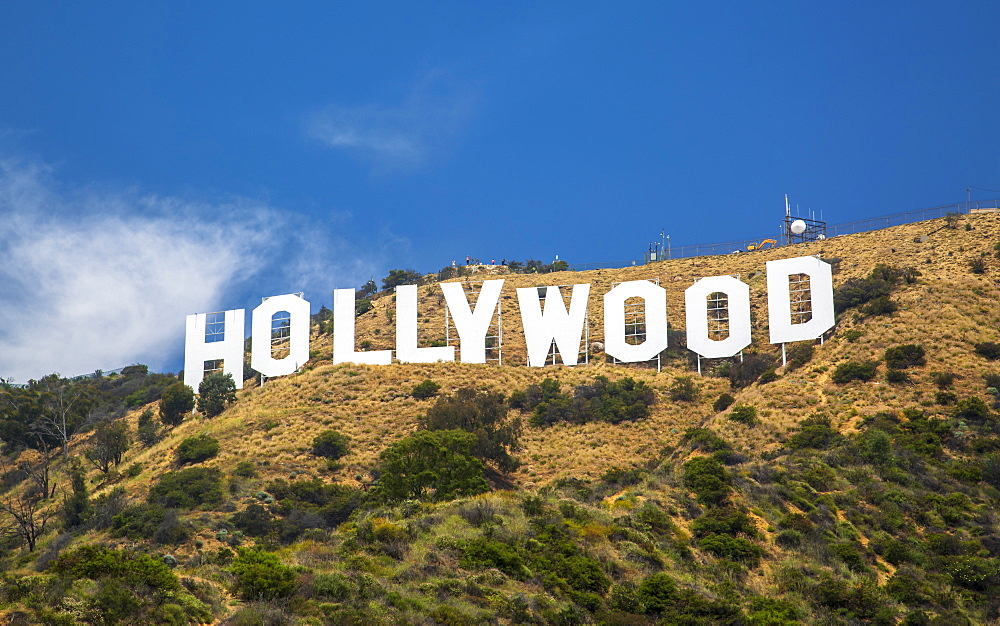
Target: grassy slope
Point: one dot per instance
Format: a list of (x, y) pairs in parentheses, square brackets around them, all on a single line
[(946, 311)]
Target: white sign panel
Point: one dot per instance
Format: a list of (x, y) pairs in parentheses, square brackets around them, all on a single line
[(779, 305), (555, 323), (406, 331), (472, 325), (696, 314), (298, 337), (230, 349), (655, 318), (343, 333)]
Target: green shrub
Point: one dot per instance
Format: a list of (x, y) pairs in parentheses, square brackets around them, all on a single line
[(904, 356), (333, 586), (989, 350), (430, 465), (197, 449), (245, 469), (311, 504), (788, 538), (254, 521), (362, 306), (815, 432), (972, 408), (977, 265), (723, 402), (769, 376), (708, 479), (259, 575), (797, 355), (772, 612), (177, 401), (188, 488), (897, 377), (426, 389), (945, 397), (724, 521), (683, 390), (733, 548), (658, 592), (746, 371), (147, 433), (604, 400), (944, 380), (706, 440), (852, 370), (483, 414), (401, 277), (481, 553), (150, 521), (877, 286), (215, 393), (331, 444), (883, 305), (744, 414)]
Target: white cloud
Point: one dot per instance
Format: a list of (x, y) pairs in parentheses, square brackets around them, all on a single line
[(402, 136), (101, 280)]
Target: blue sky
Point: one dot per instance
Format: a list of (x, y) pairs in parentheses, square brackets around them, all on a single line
[(165, 158)]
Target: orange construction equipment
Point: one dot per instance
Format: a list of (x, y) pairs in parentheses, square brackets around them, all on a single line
[(762, 245)]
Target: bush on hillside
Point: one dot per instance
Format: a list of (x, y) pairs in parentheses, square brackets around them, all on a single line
[(972, 408), (853, 370), (897, 377), (362, 306), (305, 504), (683, 390), (147, 432), (331, 444), (904, 356), (816, 433), (798, 354), (746, 371), (484, 414), (604, 400), (259, 575), (876, 286), (723, 402), (215, 393), (177, 401), (434, 465), (150, 521), (196, 449), (944, 380), (188, 488), (426, 389), (883, 305), (708, 479), (989, 350), (744, 414)]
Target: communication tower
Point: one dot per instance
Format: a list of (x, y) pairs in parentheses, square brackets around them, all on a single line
[(802, 229)]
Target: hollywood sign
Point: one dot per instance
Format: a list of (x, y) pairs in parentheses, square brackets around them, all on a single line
[(543, 326)]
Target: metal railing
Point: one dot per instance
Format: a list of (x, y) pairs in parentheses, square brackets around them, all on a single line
[(846, 228)]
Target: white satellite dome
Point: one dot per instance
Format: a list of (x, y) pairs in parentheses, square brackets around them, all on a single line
[(798, 227)]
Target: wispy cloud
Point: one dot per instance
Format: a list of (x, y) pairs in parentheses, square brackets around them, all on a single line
[(403, 136), (102, 279)]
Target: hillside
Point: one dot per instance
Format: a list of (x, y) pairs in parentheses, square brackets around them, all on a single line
[(807, 498)]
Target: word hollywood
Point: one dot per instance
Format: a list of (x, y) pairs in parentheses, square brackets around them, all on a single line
[(542, 325)]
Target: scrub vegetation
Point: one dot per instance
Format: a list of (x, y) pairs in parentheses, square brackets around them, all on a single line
[(858, 483)]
